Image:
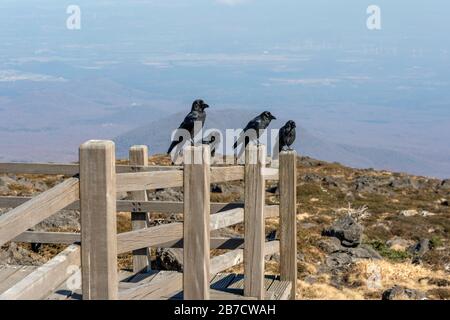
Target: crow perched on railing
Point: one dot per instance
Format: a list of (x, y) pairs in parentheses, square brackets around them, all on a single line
[(259, 123), (286, 136), (197, 114)]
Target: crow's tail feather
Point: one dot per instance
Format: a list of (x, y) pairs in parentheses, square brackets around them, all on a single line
[(173, 145)]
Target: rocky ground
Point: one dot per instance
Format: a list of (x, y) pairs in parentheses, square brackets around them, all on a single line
[(362, 234)]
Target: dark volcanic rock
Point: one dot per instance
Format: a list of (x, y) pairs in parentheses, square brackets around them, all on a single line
[(215, 188), (364, 252), (365, 184), (402, 293), (338, 260), (329, 182), (311, 177), (273, 189), (403, 182), (445, 184), (330, 245), (420, 248), (347, 230), (169, 259)]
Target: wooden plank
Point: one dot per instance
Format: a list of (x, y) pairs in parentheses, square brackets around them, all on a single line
[(222, 281), (13, 275), (288, 219), (20, 219), (39, 168), (48, 237), (226, 174), (150, 237), (164, 207), (140, 219), (149, 180), (70, 169), (171, 179), (215, 243), (163, 284), (254, 224), (280, 290), (270, 173), (46, 278), (6, 271), (98, 220), (68, 289), (167, 284), (196, 230)]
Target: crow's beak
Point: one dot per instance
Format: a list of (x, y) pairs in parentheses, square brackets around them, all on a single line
[(273, 118), (205, 106)]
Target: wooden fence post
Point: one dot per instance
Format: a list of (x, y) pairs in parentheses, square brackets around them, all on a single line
[(254, 223), (98, 220), (140, 220), (196, 259), (288, 221)]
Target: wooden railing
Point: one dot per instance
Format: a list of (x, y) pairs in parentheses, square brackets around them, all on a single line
[(92, 188)]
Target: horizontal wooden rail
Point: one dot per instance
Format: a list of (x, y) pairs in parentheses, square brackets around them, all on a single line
[(48, 237), (169, 207), (74, 237), (70, 169), (41, 207), (172, 179)]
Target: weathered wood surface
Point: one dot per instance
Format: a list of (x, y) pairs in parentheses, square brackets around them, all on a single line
[(270, 173), (168, 284), (164, 207), (254, 224), (48, 237), (171, 179), (196, 224), (71, 169), (149, 180), (10, 275), (46, 278), (288, 219), (226, 174), (98, 220), (27, 215), (73, 237), (172, 233), (140, 219)]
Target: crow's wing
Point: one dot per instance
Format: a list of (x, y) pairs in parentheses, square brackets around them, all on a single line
[(254, 124), (188, 122)]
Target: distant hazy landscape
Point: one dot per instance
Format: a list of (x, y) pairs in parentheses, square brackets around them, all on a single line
[(363, 98)]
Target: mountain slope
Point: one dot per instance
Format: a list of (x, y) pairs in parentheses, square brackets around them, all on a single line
[(157, 135)]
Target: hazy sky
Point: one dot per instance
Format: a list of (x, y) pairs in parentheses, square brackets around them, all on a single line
[(314, 60)]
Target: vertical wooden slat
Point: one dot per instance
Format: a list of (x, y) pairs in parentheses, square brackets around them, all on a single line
[(254, 223), (98, 220), (140, 220), (288, 221), (196, 269)]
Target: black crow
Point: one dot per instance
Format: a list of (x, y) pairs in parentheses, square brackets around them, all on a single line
[(286, 135), (261, 122), (213, 141), (197, 114)]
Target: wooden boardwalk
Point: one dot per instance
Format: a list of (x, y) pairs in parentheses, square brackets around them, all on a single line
[(223, 286)]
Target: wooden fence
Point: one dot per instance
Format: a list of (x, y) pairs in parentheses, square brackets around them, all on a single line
[(92, 188)]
